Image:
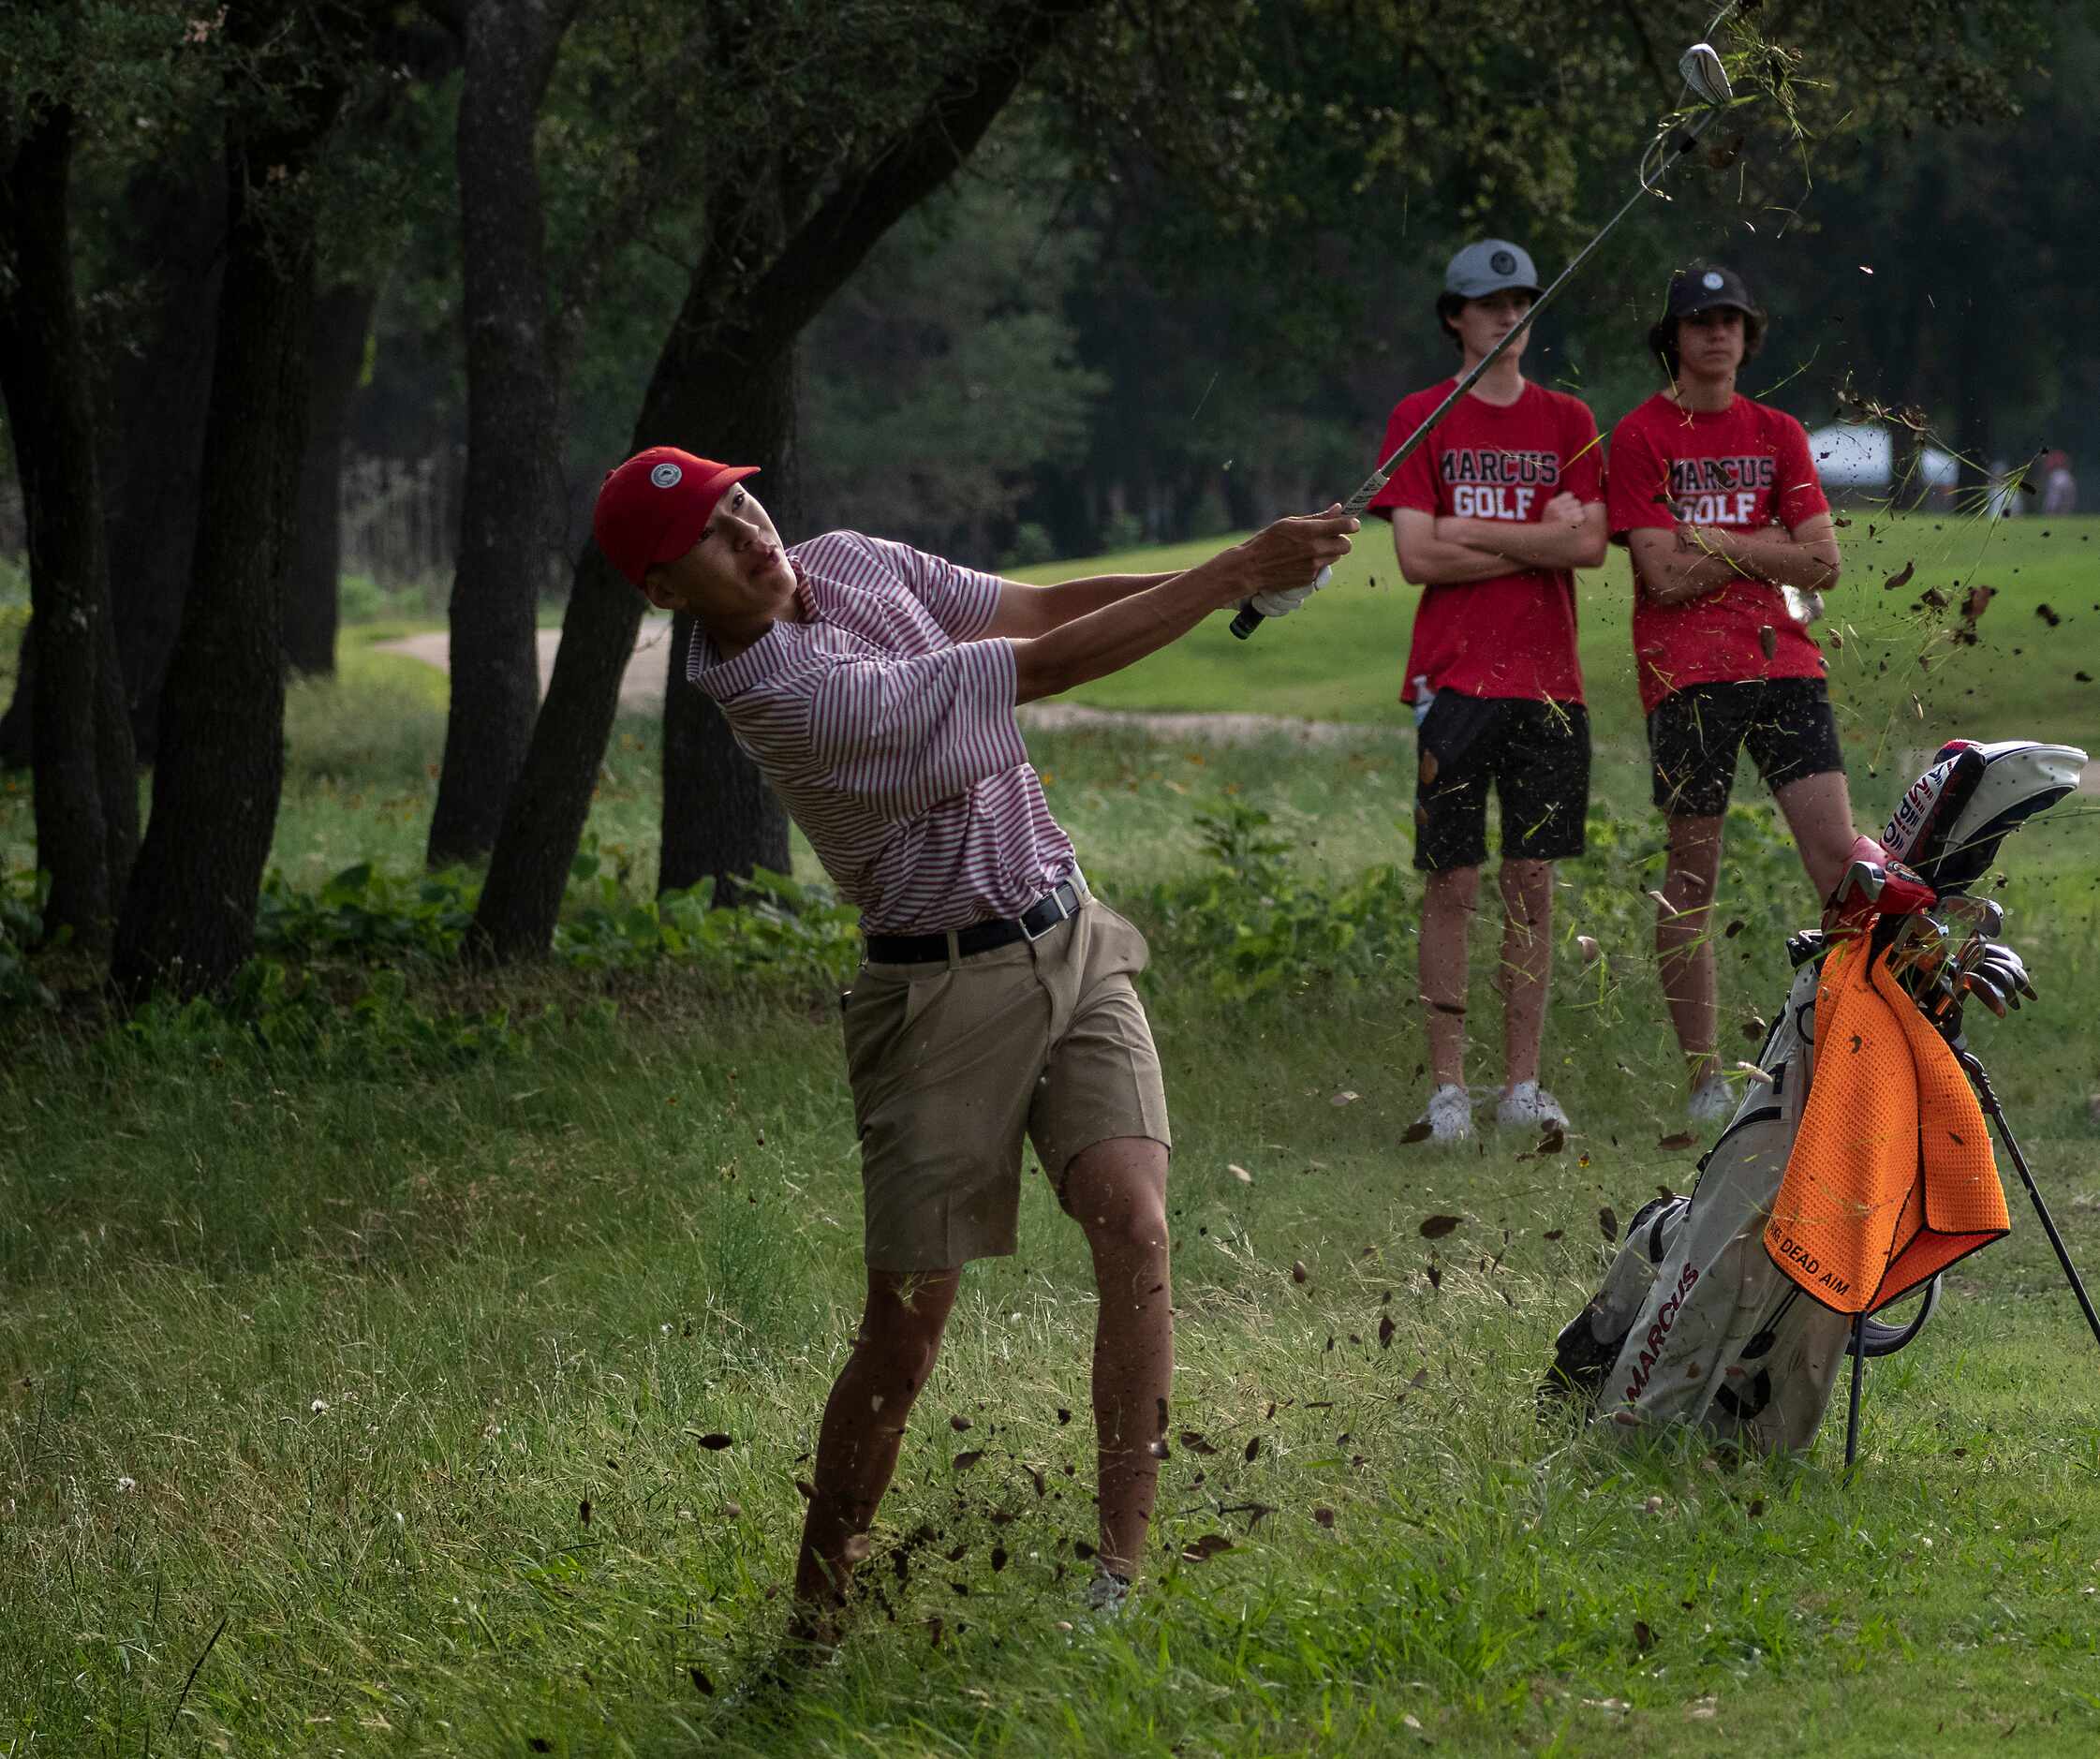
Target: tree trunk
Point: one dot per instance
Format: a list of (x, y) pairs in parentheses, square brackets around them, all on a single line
[(720, 817), (342, 320), (44, 380), (543, 824), (153, 449), (507, 524), (1976, 393), (733, 323), (188, 921)]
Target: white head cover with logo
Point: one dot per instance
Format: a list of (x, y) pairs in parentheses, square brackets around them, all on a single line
[(1949, 822)]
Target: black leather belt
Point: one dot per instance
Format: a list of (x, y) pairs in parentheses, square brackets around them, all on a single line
[(1062, 900)]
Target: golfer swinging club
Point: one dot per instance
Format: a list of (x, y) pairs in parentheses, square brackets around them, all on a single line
[(875, 686)]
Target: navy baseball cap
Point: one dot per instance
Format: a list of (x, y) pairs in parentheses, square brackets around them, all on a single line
[(1488, 267), (1703, 286)]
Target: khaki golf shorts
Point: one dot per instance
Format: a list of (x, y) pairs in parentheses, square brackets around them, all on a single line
[(953, 1061)]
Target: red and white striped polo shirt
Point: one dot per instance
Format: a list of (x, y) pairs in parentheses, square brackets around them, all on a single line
[(890, 734)]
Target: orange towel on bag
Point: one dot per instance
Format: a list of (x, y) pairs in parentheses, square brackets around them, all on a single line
[(1890, 1177)]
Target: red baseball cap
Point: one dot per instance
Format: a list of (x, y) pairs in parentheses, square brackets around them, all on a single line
[(653, 508)]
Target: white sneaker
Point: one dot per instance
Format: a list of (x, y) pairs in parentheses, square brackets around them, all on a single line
[(1450, 1117), (1530, 1106), (1712, 1101)]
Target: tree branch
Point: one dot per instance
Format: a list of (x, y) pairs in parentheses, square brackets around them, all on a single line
[(827, 247)]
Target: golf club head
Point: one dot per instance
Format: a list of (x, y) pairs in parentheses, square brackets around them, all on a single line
[(1917, 947), (1706, 76), (1982, 917)]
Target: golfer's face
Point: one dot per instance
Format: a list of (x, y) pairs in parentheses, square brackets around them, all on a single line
[(736, 571), (1484, 322), (1710, 343)]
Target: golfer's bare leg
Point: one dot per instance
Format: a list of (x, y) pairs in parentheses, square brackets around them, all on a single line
[(1448, 902), (894, 1353), (1684, 940), (1818, 811), (1527, 967), (1117, 1190)]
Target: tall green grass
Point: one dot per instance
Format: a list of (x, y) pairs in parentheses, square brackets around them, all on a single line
[(373, 1408), (342, 1363)]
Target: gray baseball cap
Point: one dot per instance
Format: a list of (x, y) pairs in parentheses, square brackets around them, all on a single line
[(1488, 267)]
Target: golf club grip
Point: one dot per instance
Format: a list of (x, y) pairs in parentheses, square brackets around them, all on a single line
[(1248, 619)]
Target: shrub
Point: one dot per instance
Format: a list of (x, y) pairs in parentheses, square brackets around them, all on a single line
[(1122, 531), (274, 1014), (1253, 924), (21, 926), (800, 932), (1032, 544)]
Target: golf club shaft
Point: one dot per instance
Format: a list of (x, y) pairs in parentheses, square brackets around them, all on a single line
[(1858, 1387), (1249, 619), (1985, 1092)]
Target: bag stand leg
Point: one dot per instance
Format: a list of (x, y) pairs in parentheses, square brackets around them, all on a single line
[(1858, 1386), (1989, 1097)]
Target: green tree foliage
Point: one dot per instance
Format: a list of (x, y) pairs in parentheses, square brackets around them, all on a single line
[(944, 375), (1343, 149), (1945, 268), (1184, 295), (825, 126)]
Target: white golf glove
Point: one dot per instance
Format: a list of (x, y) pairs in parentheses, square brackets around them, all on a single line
[(1280, 604)]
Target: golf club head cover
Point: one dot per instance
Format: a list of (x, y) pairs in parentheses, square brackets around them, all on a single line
[(1951, 820), (1876, 885)]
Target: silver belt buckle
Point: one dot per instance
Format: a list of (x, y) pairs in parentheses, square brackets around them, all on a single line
[(1065, 912)]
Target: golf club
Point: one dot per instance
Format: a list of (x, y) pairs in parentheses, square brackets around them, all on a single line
[(1705, 80)]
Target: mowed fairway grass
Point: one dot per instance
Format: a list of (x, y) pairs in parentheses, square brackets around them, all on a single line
[(1341, 659), (455, 1403)]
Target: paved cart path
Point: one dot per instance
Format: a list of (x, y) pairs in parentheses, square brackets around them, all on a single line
[(642, 691)]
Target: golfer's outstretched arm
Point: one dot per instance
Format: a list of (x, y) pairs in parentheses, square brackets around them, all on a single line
[(1284, 556), (1025, 612)]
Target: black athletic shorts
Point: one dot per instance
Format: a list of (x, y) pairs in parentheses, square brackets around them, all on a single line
[(1536, 755), (1694, 733)]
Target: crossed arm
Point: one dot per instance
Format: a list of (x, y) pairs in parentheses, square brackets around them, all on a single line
[(1686, 562), (1448, 550)]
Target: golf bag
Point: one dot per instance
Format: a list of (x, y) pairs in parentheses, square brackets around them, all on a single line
[(1696, 1324)]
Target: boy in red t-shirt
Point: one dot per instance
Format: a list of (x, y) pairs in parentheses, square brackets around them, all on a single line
[(1716, 499), (1490, 517)]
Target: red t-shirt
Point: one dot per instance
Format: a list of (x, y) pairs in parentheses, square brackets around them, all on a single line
[(1513, 635), (1740, 467)]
